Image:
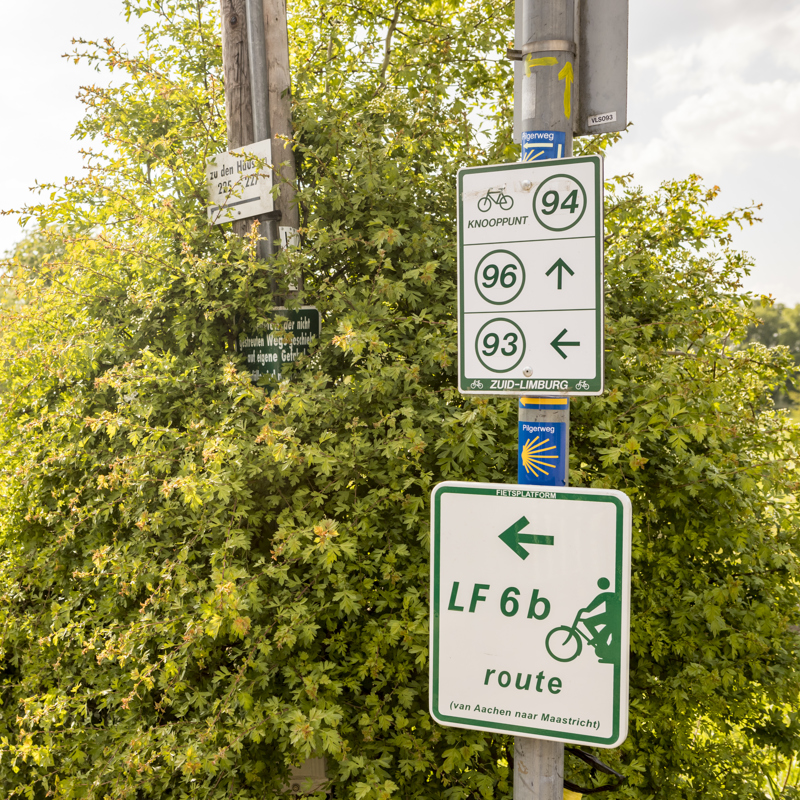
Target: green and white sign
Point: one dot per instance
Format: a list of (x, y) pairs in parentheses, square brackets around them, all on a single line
[(280, 342), (530, 611), (530, 269)]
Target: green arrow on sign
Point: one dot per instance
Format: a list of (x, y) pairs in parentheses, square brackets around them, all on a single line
[(560, 265), (514, 539), (557, 344)]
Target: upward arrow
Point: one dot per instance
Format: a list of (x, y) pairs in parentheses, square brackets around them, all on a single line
[(514, 539), (567, 76), (560, 265)]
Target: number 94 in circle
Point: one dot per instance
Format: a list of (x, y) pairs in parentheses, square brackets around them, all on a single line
[(559, 203), (500, 345)]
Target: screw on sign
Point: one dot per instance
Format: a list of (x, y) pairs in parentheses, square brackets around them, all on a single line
[(530, 594)]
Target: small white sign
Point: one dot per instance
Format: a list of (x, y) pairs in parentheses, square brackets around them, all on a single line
[(240, 183), (603, 119), (290, 237), (530, 611)]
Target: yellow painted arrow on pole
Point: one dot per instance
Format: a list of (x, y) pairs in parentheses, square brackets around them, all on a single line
[(530, 63), (567, 76)]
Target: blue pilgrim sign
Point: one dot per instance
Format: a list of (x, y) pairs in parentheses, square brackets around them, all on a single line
[(543, 454)]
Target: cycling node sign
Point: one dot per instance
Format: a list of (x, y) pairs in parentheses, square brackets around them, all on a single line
[(530, 297), (530, 611)]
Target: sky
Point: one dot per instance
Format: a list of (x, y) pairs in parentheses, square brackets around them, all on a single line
[(714, 88)]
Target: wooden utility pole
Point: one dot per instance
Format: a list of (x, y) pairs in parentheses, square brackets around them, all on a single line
[(280, 113), (258, 104), (236, 73)]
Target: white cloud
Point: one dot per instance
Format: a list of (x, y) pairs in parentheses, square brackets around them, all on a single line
[(714, 88), (723, 99), (746, 49), (724, 129), (688, 21), (786, 44), (44, 103)]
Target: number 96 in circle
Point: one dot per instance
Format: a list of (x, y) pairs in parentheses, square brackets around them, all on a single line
[(500, 345)]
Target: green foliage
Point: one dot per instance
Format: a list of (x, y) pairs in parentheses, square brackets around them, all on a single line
[(687, 429), (778, 325), (205, 582)]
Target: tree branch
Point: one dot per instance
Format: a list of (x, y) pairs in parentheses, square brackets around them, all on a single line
[(387, 50)]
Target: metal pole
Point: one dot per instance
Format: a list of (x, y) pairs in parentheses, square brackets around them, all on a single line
[(259, 93), (539, 764), (538, 769), (549, 51), (259, 71)]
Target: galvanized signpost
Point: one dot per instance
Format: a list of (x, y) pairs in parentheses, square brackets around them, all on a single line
[(531, 322), (590, 35)]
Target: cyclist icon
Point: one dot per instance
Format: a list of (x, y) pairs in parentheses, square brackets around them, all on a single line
[(495, 196), (601, 618)]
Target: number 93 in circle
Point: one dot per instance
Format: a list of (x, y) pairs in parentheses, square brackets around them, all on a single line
[(559, 203), (500, 345), (500, 277)]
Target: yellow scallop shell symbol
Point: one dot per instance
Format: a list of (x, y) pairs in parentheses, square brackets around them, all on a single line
[(537, 458)]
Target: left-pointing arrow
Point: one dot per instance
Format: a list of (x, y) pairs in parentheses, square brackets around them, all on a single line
[(514, 539), (559, 342)]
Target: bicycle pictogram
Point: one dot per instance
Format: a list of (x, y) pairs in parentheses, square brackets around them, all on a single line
[(581, 385), (476, 384), (565, 643), (497, 196)]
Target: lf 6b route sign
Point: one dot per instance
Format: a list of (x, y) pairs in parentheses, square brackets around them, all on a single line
[(530, 295), (530, 610)]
